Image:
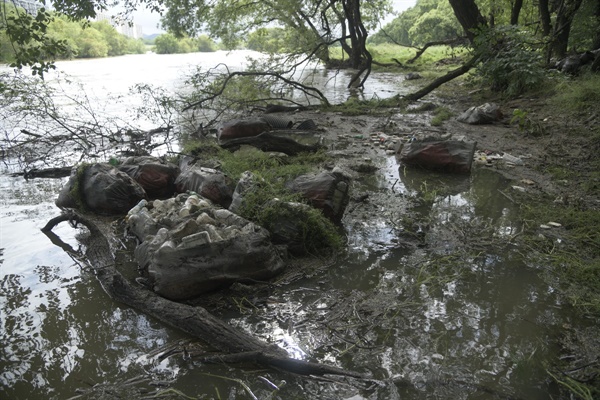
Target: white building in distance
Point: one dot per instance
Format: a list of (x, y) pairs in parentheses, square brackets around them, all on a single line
[(30, 6), (132, 31)]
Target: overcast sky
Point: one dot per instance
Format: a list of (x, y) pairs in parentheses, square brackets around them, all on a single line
[(150, 21)]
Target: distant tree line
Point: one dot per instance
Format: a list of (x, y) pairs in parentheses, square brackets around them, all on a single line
[(170, 44), (79, 39)]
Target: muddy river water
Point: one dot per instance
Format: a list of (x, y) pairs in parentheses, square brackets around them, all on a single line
[(435, 302)]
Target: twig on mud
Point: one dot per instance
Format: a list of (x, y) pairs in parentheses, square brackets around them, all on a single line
[(507, 196)]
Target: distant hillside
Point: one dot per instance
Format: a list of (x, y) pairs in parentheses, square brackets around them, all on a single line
[(149, 39)]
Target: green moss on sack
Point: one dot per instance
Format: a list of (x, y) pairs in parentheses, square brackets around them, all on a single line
[(76, 192), (272, 172)]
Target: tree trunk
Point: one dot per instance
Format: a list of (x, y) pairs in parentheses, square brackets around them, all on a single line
[(515, 11), (596, 44), (356, 56), (361, 58), (562, 28), (468, 15), (545, 18)]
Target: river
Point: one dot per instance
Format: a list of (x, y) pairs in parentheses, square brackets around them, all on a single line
[(449, 325)]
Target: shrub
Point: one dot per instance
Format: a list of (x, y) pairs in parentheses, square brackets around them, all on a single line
[(510, 65)]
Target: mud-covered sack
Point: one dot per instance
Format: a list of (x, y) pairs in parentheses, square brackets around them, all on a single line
[(192, 248), (445, 156), (102, 189), (207, 182), (326, 191), (240, 128), (248, 183), (156, 176)]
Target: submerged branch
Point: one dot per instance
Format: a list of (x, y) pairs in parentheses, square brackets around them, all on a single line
[(196, 321)]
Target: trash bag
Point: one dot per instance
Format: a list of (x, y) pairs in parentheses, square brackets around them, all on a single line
[(207, 182), (445, 156), (154, 175), (102, 189), (198, 248)]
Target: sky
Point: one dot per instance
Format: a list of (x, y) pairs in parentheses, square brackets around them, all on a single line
[(149, 20)]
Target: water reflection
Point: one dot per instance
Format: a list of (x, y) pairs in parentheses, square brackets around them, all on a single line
[(463, 317), (60, 331)]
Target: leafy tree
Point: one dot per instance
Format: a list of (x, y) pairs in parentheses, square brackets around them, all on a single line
[(6, 49), (64, 29), (427, 21), (169, 44), (269, 40), (28, 38), (166, 44), (205, 44), (136, 46), (316, 25), (434, 25), (116, 42), (510, 65), (91, 44), (186, 45)]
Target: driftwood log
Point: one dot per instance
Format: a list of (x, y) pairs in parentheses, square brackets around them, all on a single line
[(233, 344), (269, 142), (57, 172)]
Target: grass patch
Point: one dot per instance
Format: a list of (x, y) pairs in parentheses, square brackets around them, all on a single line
[(441, 114), (271, 172), (559, 172), (577, 95), (354, 107), (271, 168), (392, 54), (573, 256)]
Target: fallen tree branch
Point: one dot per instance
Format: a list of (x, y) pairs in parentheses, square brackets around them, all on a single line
[(396, 63), (196, 321), (55, 172), (443, 79)]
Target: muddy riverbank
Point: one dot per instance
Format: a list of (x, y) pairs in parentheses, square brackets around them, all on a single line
[(515, 210), (445, 289)]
